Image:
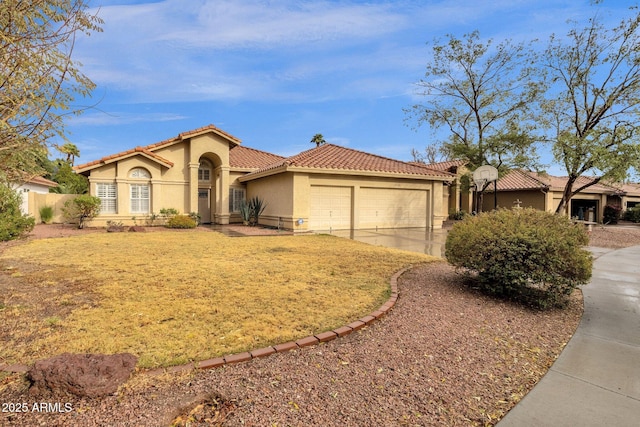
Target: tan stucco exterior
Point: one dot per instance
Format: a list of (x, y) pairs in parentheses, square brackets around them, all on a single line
[(171, 173), (289, 207)]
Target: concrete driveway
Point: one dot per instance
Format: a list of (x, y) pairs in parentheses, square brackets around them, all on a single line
[(423, 240)]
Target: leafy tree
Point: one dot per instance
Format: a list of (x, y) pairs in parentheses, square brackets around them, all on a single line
[(432, 153), (83, 208), (480, 93), (593, 99), (68, 181), (318, 139), (38, 79), (13, 224), (475, 91)]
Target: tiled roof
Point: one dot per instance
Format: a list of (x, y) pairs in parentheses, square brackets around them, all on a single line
[(631, 189), (518, 179), (148, 150), (42, 181), (445, 166), (250, 158), (334, 157), (521, 180), (122, 154)]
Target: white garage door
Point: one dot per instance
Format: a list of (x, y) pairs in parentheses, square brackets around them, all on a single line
[(392, 208), (330, 208)]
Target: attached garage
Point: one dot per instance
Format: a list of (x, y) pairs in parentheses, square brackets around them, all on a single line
[(392, 208), (337, 188), (330, 207)]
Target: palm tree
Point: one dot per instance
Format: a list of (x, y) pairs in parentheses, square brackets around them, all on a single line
[(70, 150), (318, 139)]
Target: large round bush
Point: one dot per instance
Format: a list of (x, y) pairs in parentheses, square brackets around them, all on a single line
[(524, 254)]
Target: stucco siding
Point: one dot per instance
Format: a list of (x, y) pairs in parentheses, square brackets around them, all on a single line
[(277, 192)]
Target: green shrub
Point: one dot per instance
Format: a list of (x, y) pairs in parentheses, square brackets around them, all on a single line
[(527, 255), (457, 215), (611, 214), (196, 217), (13, 224), (46, 214), (82, 208), (169, 211), (633, 214), (181, 221)]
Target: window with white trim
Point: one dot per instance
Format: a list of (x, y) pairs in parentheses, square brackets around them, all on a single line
[(108, 195), (140, 198), (236, 197), (204, 171)]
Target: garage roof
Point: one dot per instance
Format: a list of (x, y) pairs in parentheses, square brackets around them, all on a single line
[(330, 158)]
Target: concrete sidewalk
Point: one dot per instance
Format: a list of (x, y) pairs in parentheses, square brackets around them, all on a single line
[(596, 379)]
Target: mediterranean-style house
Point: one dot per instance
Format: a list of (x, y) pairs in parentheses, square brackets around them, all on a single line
[(544, 192), (208, 171)]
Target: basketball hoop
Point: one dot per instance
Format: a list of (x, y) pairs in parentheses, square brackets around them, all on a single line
[(482, 176), (480, 183)]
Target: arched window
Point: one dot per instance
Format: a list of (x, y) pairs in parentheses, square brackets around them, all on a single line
[(139, 173)]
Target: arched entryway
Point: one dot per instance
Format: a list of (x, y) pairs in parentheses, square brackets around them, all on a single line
[(210, 191), (205, 174)]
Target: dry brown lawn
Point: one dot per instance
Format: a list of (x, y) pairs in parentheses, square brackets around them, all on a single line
[(171, 298)]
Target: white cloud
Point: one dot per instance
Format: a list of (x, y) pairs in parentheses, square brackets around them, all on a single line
[(114, 118)]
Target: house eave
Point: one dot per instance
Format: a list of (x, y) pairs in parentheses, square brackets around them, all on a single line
[(329, 171)]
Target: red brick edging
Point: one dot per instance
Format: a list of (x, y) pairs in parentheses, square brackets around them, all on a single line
[(295, 345), (279, 348)]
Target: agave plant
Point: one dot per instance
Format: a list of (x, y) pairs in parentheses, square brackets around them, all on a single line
[(245, 212), (256, 207)]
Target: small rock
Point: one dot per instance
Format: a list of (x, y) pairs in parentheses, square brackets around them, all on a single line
[(137, 228), (84, 375)]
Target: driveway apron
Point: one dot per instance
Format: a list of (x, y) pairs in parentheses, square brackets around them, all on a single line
[(422, 240), (596, 379)]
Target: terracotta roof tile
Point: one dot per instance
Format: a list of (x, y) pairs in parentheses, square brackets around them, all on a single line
[(445, 166), (250, 158), (43, 181), (631, 189), (330, 156), (525, 180), (106, 159), (521, 180), (148, 150)]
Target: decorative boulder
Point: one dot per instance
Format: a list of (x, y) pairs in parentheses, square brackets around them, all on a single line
[(84, 375)]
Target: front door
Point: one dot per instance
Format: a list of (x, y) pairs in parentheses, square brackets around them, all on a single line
[(204, 205)]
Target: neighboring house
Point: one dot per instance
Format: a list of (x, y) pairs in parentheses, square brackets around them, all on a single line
[(37, 185), (207, 171), (544, 192)]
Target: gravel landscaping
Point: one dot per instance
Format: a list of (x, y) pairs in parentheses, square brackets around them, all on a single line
[(444, 355)]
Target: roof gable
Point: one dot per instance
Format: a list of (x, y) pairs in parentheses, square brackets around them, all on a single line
[(142, 151), (148, 151)]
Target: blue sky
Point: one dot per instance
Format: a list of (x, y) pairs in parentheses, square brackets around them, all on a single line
[(275, 72)]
